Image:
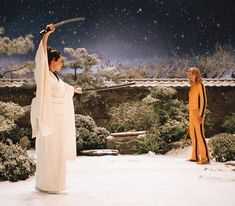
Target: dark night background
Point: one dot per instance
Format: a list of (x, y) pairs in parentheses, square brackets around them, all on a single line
[(133, 31)]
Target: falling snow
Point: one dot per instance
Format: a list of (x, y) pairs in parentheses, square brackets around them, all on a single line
[(150, 28), (139, 10)]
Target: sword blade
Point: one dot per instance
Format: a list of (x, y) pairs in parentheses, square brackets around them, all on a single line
[(62, 23), (118, 86), (69, 21)]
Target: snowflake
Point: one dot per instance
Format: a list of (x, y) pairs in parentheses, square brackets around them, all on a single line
[(50, 12), (139, 10), (123, 10), (218, 24), (155, 22)]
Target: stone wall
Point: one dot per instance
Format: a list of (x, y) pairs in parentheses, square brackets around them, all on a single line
[(221, 101), (20, 95)]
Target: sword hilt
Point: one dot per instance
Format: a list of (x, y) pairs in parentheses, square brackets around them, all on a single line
[(44, 31)]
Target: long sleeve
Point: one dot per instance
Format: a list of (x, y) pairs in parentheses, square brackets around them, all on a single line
[(69, 125), (202, 99), (41, 105)]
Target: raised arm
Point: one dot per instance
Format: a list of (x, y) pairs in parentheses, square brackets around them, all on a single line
[(46, 36)]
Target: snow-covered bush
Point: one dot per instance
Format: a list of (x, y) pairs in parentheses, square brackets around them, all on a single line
[(88, 135), (15, 164), (160, 113), (223, 147), (131, 116), (9, 113)]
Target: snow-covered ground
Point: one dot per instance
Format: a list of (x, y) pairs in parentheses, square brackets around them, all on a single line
[(131, 180)]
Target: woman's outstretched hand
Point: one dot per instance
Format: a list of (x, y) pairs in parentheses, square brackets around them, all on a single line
[(78, 90)]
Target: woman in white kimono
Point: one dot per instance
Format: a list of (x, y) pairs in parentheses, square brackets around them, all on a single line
[(52, 120)]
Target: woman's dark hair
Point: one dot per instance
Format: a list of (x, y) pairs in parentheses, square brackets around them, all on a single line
[(52, 54)]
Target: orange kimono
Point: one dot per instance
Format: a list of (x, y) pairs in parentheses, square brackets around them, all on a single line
[(197, 106)]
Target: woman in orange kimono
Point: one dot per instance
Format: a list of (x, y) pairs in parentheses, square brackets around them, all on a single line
[(197, 106)]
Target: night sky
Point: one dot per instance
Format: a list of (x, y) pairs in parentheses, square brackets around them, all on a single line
[(132, 31)]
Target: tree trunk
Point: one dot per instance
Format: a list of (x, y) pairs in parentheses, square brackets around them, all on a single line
[(75, 74)]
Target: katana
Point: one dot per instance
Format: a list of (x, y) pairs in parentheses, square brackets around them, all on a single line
[(61, 23), (106, 88)]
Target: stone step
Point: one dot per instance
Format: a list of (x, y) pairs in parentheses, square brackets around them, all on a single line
[(125, 142)]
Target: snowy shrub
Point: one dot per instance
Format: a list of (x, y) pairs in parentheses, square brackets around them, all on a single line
[(11, 110), (164, 117), (88, 135), (172, 130), (173, 114), (131, 116), (6, 125), (153, 142), (9, 113), (163, 93), (159, 110), (223, 147), (17, 133), (15, 164)]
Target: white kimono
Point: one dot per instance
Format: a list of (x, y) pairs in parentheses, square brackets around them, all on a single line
[(53, 125)]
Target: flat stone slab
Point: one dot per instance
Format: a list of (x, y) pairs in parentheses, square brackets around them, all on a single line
[(99, 152), (123, 134), (125, 142)]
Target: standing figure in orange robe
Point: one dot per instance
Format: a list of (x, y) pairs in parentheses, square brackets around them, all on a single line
[(197, 107)]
